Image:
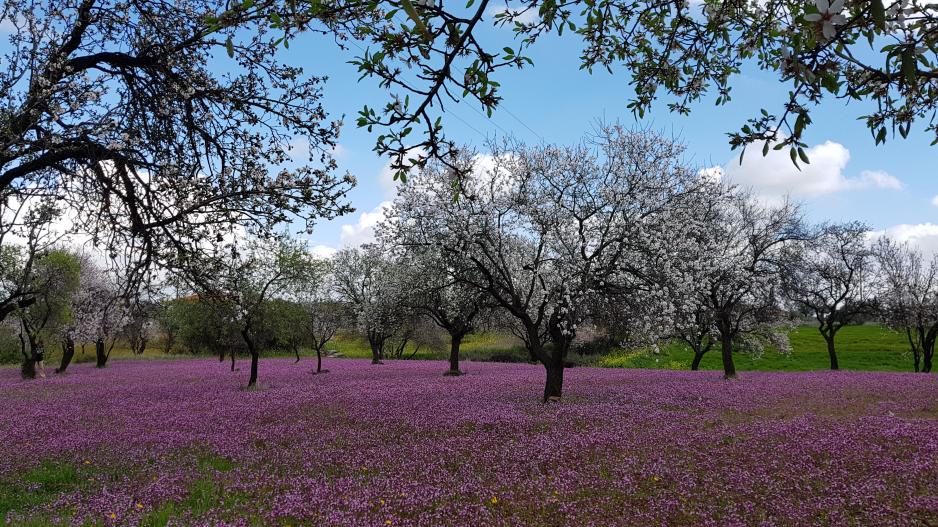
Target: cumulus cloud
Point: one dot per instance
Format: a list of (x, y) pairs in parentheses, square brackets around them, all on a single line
[(877, 179), (924, 236), (774, 175), (934, 201), (363, 230)]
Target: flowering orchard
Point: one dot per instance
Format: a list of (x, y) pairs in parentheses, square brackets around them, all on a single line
[(178, 443)]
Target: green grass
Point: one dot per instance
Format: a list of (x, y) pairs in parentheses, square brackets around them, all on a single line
[(38, 486), (866, 347)]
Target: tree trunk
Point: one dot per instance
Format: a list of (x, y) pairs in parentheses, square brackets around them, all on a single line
[(831, 352), (254, 360), (100, 355), (454, 342), (28, 368), (927, 355), (319, 360), (376, 346), (726, 352), (68, 351), (232, 358), (255, 356), (296, 350), (698, 356), (553, 388)]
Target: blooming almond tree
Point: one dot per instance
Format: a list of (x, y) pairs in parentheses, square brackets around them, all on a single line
[(908, 297), (440, 285), (370, 281), (549, 229), (156, 129), (739, 280), (829, 275), (100, 312)]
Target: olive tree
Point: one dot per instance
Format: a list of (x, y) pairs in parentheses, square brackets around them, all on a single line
[(54, 280), (245, 275)]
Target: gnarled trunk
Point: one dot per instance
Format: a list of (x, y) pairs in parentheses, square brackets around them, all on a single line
[(28, 367), (913, 347), (68, 352), (698, 356), (726, 348), (455, 341), (99, 353), (553, 387), (376, 342), (831, 352), (255, 355)]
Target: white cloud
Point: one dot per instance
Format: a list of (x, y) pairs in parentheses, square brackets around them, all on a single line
[(924, 236), (711, 174), (934, 201), (878, 179), (774, 175), (386, 176), (528, 16), (363, 231), (322, 251)]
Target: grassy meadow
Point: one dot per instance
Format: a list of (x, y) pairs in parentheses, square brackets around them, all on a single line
[(862, 348)]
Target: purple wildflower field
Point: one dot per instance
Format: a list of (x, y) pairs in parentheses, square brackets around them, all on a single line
[(181, 442)]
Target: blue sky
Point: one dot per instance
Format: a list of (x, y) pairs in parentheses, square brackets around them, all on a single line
[(891, 186)]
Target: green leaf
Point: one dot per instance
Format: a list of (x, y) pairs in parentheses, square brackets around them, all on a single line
[(908, 66), (803, 156), (878, 12), (229, 45), (412, 13)]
